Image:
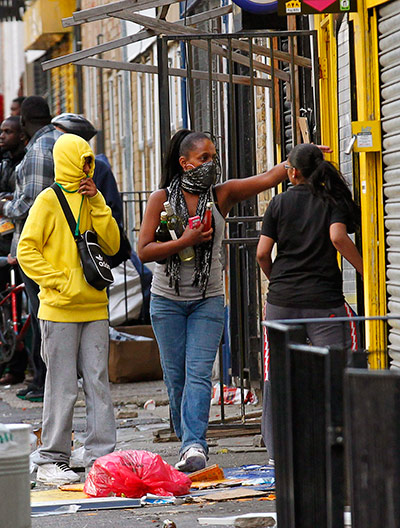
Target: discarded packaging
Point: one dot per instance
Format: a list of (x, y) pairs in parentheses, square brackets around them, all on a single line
[(231, 494), (150, 405), (223, 483), (72, 487), (267, 481), (62, 510), (254, 522), (134, 474), (116, 335), (232, 396), (213, 472), (230, 521), (156, 499), (134, 355), (169, 524)]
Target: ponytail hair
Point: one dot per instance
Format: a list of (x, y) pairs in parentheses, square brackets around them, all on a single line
[(181, 144), (324, 178)]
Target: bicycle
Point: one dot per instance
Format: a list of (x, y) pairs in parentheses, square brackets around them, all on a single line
[(12, 334)]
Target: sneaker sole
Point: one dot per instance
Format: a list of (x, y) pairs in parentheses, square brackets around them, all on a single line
[(39, 399), (55, 482), (192, 464)]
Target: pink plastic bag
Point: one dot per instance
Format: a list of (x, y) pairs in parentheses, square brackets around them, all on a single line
[(134, 474)]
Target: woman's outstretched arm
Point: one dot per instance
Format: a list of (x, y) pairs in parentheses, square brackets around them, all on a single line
[(343, 243), (233, 191)]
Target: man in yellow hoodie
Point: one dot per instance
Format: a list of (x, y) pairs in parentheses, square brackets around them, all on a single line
[(73, 315)]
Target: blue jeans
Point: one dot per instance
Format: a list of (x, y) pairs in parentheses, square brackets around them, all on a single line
[(188, 335)]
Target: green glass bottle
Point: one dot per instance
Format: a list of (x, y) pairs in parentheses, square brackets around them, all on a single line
[(176, 230), (162, 233)]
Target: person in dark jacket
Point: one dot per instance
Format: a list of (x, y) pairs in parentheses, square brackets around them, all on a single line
[(33, 175), (12, 146)]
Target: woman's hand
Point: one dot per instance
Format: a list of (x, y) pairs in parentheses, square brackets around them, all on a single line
[(87, 187), (325, 149), (196, 236)]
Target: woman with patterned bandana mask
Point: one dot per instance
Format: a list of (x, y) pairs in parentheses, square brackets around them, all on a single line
[(187, 304)]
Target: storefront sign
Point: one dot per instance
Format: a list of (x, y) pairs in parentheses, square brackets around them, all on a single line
[(315, 7), (258, 6)]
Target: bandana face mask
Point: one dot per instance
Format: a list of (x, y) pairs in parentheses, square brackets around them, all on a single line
[(201, 178)]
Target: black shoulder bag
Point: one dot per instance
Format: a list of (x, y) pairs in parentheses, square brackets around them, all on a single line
[(96, 269)]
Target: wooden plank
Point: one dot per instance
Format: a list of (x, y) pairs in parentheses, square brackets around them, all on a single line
[(207, 15), (164, 27), (108, 46), (232, 494), (178, 72), (100, 48), (202, 17), (284, 56), (304, 129), (165, 435), (176, 28), (106, 10), (163, 12), (190, 21)]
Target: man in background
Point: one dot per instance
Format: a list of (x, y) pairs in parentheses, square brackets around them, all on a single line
[(12, 146), (34, 174), (15, 108)]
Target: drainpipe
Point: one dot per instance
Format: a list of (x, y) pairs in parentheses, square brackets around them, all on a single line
[(129, 175), (77, 46), (100, 134)]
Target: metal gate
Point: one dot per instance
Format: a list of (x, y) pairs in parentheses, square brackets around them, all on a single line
[(389, 37), (256, 93)]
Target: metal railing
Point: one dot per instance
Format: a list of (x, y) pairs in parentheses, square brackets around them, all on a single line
[(330, 430)]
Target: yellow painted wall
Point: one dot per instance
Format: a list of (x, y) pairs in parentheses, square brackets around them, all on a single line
[(369, 163)]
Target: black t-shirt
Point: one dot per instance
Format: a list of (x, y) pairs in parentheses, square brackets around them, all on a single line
[(305, 273)]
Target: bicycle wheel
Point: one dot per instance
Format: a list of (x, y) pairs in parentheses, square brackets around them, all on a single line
[(8, 339)]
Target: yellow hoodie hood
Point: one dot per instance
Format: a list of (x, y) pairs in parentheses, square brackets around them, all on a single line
[(70, 153)]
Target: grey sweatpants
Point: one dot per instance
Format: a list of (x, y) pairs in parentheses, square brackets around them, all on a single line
[(69, 350), (320, 334)]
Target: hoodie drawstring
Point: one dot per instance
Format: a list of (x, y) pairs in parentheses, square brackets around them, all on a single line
[(77, 233)]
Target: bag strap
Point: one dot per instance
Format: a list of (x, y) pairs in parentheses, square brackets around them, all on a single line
[(66, 208)]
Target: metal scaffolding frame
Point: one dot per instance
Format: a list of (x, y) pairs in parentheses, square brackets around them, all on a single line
[(244, 65)]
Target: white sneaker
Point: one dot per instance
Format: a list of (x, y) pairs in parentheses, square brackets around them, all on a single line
[(58, 473), (192, 460), (271, 462)]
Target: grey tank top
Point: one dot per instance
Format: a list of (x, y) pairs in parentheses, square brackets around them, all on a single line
[(160, 284)]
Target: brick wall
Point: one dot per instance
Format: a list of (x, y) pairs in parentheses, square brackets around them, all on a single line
[(346, 164)]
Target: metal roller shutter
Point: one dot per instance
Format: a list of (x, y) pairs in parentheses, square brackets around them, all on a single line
[(389, 59)]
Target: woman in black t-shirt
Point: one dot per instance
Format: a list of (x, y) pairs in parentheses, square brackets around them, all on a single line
[(309, 224)]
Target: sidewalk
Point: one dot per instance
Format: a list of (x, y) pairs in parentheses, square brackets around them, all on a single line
[(136, 425)]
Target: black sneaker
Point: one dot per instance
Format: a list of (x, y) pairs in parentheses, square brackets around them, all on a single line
[(35, 395), (23, 392)]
